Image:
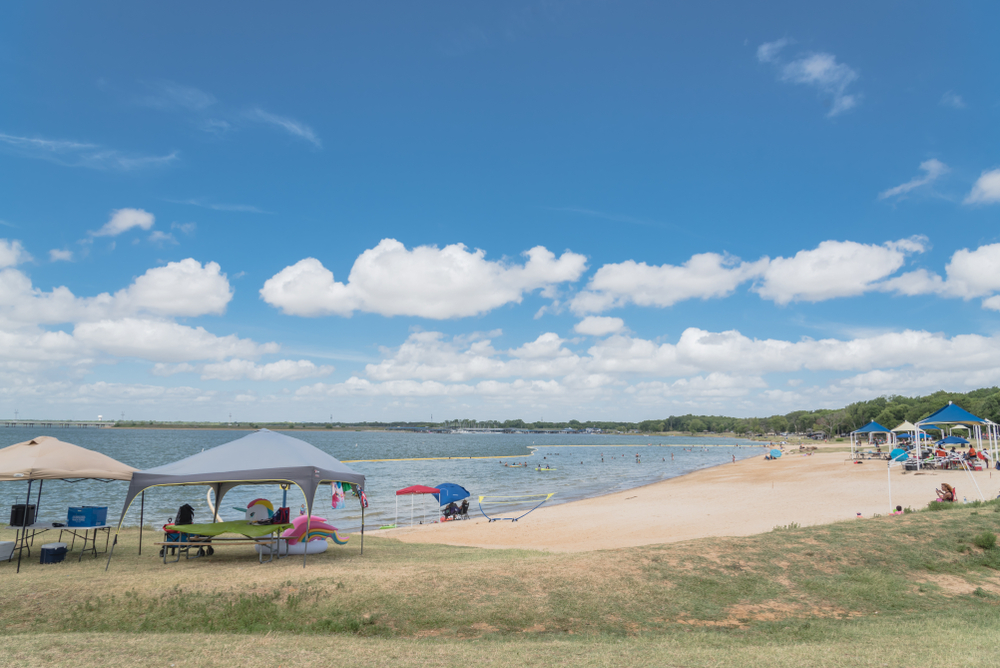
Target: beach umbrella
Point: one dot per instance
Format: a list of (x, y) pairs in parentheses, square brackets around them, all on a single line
[(898, 455), (953, 440), (451, 492), (775, 453)]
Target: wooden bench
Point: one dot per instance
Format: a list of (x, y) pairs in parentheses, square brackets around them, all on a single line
[(273, 542)]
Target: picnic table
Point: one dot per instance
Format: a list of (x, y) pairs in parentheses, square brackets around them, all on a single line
[(204, 536)]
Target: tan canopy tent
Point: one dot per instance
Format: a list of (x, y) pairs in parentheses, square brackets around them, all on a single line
[(47, 458)]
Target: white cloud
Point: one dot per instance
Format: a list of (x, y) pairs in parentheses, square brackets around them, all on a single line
[(158, 237), (969, 274), (427, 282), (290, 125), (81, 154), (953, 100), (768, 52), (161, 369), (60, 255), (179, 289), (170, 95), (818, 70), (986, 189), (123, 220), (282, 370), (834, 269), (932, 170), (704, 276), (164, 341), (12, 253), (595, 325)]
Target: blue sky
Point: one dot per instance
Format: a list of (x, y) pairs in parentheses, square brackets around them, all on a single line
[(528, 209)]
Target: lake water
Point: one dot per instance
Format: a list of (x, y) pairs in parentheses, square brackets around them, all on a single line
[(577, 460)]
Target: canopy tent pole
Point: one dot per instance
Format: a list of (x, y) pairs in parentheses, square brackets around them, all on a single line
[(362, 502), (24, 527), (396, 522), (142, 518), (888, 470), (973, 478), (411, 510), (38, 499)]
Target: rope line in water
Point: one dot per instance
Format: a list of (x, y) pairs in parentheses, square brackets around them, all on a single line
[(512, 519)]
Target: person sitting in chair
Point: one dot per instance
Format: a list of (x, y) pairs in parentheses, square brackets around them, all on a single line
[(946, 493), (450, 510)]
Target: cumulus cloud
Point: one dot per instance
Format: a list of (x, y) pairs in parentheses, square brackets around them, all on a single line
[(595, 325), (282, 370), (817, 70), (164, 341), (427, 281), (60, 255), (179, 289), (12, 253), (932, 169), (834, 269), (703, 276), (968, 274), (986, 189), (123, 220)]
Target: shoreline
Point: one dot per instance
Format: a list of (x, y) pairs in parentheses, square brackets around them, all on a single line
[(749, 497)]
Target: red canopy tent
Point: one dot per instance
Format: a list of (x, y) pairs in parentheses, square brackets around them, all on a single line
[(413, 490)]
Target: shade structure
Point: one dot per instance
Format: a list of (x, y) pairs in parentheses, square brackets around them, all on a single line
[(48, 458), (775, 453), (984, 433), (868, 431), (417, 489), (450, 492), (260, 458), (904, 426), (412, 491), (953, 440)]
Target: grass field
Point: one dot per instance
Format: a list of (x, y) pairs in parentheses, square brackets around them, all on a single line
[(908, 590)]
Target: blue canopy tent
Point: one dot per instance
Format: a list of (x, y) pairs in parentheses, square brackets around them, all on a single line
[(953, 440), (869, 430), (954, 415), (450, 492)]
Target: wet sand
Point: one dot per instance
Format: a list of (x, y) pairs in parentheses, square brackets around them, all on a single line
[(749, 497)]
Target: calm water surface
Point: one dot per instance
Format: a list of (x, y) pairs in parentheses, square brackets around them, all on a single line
[(577, 458)]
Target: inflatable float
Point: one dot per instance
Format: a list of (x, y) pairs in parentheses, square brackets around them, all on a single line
[(301, 543)]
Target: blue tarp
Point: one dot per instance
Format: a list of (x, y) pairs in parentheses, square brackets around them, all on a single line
[(872, 428), (951, 414), (451, 492), (953, 440)]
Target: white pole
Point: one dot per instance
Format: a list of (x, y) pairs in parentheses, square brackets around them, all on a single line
[(973, 478), (397, 511), (411, 510), (888, 470)]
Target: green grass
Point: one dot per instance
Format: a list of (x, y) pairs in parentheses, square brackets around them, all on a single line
[(843, 589)]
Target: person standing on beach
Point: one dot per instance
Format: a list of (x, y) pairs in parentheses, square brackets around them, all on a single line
[(734, 459)]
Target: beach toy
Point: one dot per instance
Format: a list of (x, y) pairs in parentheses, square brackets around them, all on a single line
[(258, 509), (318, 530)]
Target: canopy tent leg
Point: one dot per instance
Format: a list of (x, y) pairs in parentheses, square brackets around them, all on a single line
[(24, 528), (218, 497), (888, 470), (968, 470), (110, 552), (362, 526), (142, 517), (38, 499)]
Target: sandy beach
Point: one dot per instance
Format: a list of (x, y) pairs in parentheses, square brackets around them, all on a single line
[(749, 497)]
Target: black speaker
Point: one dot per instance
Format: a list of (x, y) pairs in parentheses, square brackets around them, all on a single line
[(17, 515)]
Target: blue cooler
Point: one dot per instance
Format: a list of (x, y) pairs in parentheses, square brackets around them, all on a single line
[(87, 516), (53, 553)]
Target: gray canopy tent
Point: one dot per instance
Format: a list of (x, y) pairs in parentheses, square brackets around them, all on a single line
[(263, 457)]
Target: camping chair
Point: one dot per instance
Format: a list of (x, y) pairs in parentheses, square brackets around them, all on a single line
[(450, 511), (185, 515), (463, 512)]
